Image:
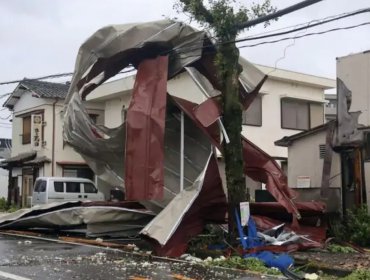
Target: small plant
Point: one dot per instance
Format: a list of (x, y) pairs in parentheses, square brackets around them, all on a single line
[(359, 274), (358, 226), (251, 264), (335, 248), (3, 204)]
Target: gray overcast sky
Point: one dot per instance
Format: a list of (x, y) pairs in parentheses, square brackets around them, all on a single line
[(41, 37)]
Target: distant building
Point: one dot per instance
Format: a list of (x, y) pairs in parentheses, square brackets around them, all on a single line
[(330, 107), (37, 142), (5, 148)]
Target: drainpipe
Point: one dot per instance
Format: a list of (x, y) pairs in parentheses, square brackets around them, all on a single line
[(53, 141)]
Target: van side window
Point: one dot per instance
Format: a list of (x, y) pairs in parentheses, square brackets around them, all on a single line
[(58, 186), (73, 187), (40, 186), (90, 188)]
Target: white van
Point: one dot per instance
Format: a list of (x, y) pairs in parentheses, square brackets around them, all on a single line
[(59, 189)]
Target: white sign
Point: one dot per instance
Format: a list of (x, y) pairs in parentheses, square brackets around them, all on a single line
[(36, 132), (303, 181), (244, 213)]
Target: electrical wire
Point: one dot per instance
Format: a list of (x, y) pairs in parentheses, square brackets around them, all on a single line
[(324, 21), (249, 38), (306, 35)]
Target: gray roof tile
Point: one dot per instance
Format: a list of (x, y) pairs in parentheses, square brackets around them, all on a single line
[(46, 89)]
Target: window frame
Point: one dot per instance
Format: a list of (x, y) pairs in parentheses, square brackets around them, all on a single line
[(303, 101), (26, 137), (244, 119)]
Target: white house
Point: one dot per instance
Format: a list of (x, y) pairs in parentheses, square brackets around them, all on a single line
[(37, 142), (289, 102)]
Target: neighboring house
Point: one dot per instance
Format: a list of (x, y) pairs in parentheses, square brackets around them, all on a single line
[(5, 151), (289, 102), (37, 143), (306, 151), (348, 175), (331, 107)]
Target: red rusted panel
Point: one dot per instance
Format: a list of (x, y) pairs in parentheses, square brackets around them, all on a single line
[(145, 125)]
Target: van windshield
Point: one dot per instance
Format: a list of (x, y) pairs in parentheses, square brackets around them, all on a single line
[(40, 186)]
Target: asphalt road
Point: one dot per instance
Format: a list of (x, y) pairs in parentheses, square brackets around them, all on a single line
[(25, 259)]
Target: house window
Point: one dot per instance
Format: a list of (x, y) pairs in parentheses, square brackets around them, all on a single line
[(301, 114), (253, 115), (26, 135), (78, 171)]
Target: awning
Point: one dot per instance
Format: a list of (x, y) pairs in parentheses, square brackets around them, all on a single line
[(37, 161), (18, 159)]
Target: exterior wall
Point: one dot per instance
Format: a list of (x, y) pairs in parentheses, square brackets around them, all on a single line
[(304, 160), (354, 71), (182, 86), (270, 131)]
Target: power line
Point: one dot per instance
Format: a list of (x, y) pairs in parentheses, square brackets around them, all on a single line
[(279, 13), (249, 38), (330, 19), (53, 76), (342, 16), (306, 35)]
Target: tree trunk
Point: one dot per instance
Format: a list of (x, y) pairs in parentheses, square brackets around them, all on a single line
[(228, 56)]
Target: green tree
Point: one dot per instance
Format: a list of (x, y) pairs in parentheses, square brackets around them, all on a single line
[(224, 19)]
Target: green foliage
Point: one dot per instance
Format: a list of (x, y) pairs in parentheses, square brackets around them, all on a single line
[(223, 16), (359, 274), (3, 204), (335, 248), (358, 226), (251, 264), (4, 207)]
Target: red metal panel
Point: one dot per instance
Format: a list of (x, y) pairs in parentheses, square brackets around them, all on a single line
[(145, 126)]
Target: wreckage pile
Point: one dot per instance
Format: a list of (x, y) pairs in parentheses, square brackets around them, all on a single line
[(179, 185)]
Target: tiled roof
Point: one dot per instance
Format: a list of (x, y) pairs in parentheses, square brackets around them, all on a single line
[(46, 89)]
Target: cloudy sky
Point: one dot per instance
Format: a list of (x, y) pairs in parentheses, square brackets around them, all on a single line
[(42, 37)]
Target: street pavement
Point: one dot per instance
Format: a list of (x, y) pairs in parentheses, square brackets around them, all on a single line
[(28, 258)]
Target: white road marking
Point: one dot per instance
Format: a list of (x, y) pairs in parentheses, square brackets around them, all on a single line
[(12, 276)]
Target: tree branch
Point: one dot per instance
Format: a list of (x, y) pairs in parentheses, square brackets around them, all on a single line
[(198, 10)]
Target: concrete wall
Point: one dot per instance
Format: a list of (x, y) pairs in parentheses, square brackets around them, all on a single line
[(304, 160), (354, 71), (270, 131)]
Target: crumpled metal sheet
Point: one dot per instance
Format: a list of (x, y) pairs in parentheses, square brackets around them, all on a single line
[(347, 134), (113, 48), (186, 215), (102, 56), (67, 215)]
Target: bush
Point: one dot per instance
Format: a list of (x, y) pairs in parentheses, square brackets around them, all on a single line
[(3, 204), (358, 226)]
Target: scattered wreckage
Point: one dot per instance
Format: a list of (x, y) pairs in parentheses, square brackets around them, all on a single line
[(163, 155)]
